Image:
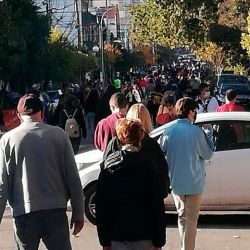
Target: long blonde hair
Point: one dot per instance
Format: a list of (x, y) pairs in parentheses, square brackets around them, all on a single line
[(139, 112)]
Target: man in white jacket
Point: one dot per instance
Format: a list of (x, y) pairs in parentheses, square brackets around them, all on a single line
[(38, 175)]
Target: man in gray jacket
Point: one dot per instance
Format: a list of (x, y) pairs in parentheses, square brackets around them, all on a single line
[(38, 175)]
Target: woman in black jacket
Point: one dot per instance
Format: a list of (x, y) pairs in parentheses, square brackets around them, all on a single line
[(129, 205), (140, 113)]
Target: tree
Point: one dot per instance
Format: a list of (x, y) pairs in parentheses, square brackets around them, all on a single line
[(111, 54), (245, 39), (212, 53), (138, 58), (23, 38), (173, 23), (227, 32)]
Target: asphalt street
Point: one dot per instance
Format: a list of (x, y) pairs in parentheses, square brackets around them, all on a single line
[(230, 232)]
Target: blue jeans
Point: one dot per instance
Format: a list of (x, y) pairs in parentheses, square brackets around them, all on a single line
[(49, 225)]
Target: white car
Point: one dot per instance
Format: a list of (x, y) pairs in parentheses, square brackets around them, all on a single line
[(228, 172)]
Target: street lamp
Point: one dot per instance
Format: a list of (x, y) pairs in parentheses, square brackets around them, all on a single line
[(102, 69)]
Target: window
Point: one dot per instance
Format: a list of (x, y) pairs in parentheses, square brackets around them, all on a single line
[(231, 135)]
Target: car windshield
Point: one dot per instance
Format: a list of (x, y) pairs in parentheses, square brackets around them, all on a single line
[(242, 89), (233, 79)]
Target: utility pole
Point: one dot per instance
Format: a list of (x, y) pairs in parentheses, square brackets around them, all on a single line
[(48, 8), (78, 25), (102, 67)]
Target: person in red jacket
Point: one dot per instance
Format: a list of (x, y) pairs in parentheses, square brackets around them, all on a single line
[(230, 104), (105, 129)]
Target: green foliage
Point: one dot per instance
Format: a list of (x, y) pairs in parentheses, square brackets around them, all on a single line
[(23, 36), (138, 59), (222, 34), (173, 23), (246, 37), (30, 52), (64, 62)]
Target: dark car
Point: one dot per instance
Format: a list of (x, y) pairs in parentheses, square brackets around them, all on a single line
[(231, 79), (243, 92)]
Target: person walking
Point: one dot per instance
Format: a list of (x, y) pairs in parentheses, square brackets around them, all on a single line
[(230, 104), (105, 129), (90, 107), (166, 112), (186, 148), (129, 205), (38, 175), (206, 102), (72, 110), (139, 112)]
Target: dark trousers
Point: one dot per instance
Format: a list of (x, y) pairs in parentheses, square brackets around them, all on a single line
[(50, 226)]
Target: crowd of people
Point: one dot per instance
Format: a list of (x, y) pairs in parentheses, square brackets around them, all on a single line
[(38, 174)]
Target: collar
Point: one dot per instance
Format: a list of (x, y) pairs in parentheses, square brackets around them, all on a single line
[(183, 120)]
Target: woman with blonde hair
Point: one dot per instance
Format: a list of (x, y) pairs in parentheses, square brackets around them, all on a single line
[(129, 206), (139, 112)]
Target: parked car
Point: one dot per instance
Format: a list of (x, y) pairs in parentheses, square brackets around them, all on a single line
[(231, 79), (228, 172), (243, 92)]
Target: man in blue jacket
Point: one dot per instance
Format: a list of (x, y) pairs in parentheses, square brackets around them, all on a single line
[(186, 147)]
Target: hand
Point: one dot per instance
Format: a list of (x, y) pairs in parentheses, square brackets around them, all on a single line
[(78, 225)]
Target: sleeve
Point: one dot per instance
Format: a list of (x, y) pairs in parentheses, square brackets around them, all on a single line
[(112, 146), (163, 171), (163, 142), (154, 150), (82, 123), (101, 135), (158, 212), (212, 105), (3, 184), (73, 182), (103, 209), (205, 146)]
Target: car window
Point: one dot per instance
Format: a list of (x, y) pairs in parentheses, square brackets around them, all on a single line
[(240, 88), (231, 135), (233, 78)]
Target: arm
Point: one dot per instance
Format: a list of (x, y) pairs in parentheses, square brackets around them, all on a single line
[(163, 142), (102, 135), (103, 209), (153, 149), (74, 188), (212, 105), (158, 213), (3, 184), (205, 146), (82, 123)]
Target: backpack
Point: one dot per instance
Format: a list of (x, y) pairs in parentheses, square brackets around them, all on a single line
[(71, 128)]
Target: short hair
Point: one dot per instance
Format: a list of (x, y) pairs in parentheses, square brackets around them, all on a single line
[(129, 132), (118, 100), (184, 105), (139, 112), (231, 94), (29, 104), (202, 86)]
